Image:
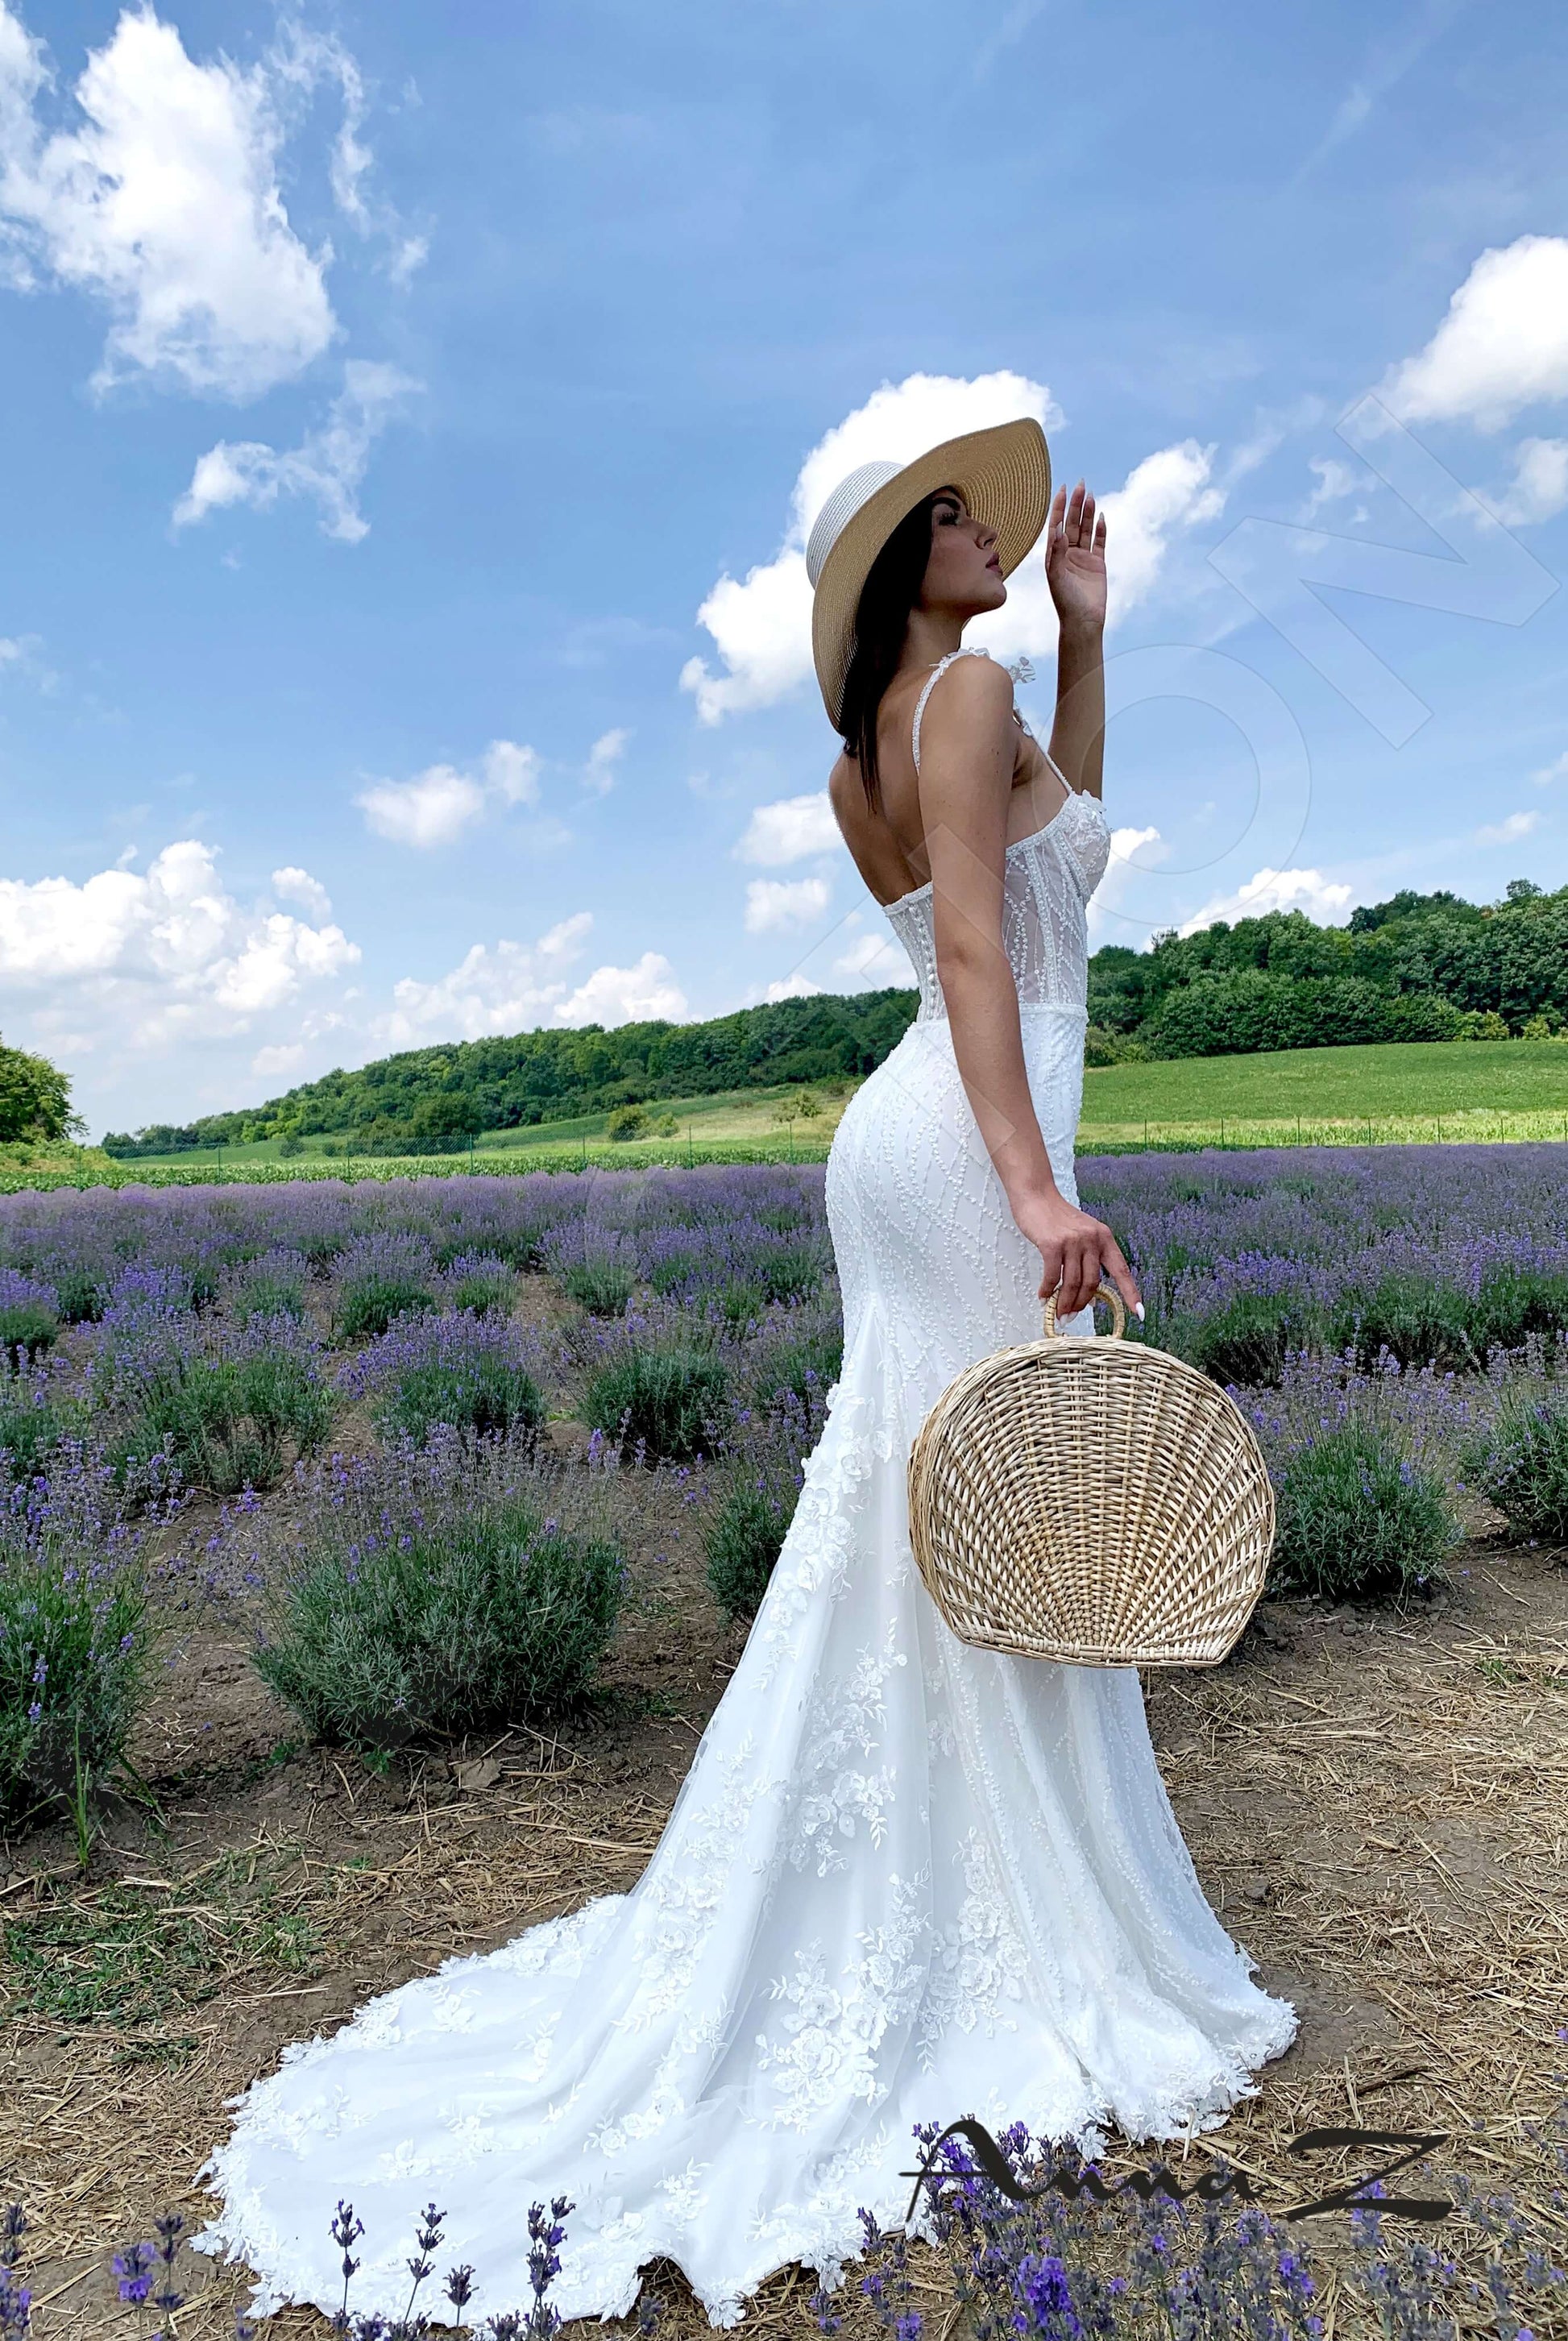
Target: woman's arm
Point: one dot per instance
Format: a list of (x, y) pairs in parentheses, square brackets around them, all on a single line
[(1075, 572), (966, 781)]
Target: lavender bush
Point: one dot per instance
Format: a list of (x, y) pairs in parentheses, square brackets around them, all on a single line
[(664, 1404), (1074, 2256), (434, 1590), (1520, 1462), (481, 1283), (29, 1318), (77, 1635), (1358, 1519), (473, 1373)]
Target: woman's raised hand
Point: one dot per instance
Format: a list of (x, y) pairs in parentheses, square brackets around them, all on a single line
[(1075, 558)]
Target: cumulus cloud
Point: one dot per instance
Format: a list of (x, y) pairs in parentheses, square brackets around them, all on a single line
[(1132, 850), (791, 986), (776, 905), (163, 202), (1539, 488), (1171, 490), (599, 772), (762, 626), (1556, 771), (625, 995), (328, 466), (1503, 346), (792, 829), (516, 985), (511, 772), (1323, 900), (438, 804), (295, 885), (139, 959), (432, 809), (1509, 830), (872, 963), (1168, 491)]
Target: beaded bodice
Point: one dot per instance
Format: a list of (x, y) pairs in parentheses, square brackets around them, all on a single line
[(1050, 876)]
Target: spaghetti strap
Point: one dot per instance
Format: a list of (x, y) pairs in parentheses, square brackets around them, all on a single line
[(932, 680)]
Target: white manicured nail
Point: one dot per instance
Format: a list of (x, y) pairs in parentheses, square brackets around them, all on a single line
[(1139, 1311)]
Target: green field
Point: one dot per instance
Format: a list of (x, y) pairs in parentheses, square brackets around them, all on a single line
[(1411, 1093), (1414, 1092)]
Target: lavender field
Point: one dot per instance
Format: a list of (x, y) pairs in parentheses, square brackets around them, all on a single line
[(370, 1555)]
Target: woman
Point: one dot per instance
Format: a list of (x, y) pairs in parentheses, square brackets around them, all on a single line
[(905, 1880)]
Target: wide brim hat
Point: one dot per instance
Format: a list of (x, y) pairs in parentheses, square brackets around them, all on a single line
[(1005, 477)]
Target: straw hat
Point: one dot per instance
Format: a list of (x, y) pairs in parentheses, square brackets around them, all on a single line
[(1005, 475)]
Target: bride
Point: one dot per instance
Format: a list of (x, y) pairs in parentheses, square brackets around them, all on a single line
[(905, 1880)]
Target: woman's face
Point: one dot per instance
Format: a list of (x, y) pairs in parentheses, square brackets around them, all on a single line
[(963, 571)]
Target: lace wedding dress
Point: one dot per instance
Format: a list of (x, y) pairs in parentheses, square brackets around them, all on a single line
[(905, 1880)]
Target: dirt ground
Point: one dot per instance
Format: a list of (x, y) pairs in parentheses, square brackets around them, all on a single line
[(1377, 1806)]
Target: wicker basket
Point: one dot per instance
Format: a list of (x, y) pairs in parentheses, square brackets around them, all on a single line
[(1096, 1503)]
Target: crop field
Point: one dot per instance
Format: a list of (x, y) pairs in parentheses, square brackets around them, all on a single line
[(261, 1444)]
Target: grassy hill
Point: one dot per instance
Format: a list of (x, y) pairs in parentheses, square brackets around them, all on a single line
[(1409, 1093), (1418, 1092)]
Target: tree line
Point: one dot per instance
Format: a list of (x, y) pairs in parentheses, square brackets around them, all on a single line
[(1417, 967)]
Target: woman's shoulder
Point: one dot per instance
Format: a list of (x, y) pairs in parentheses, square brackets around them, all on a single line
[(971, 688)]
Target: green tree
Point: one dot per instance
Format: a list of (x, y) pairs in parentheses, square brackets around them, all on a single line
[(35, 1099)]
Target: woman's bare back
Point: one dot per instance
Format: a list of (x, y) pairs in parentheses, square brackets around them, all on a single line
[(886, 842)]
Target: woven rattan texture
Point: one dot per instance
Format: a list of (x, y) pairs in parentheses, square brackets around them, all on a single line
[(1093, 1502)]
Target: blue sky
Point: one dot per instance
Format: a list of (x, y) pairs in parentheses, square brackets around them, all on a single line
[(390, 393)]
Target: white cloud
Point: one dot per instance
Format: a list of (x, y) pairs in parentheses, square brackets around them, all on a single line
[(762, 627), (1556, 771), (872, 963), (295, 885), (774, 905), (511, 772), (792, 829), (1166, 492), (1335, 480), (432, 809), (438, 804), (146, 959), (1120, 871), (791, 986), (163, 202), (763, 632), (625, 995), (515, 986), (1276, 890), (599, 772), (328, 465), (278, 1059), (1539, 488), (1503, 346), (1510, 829)]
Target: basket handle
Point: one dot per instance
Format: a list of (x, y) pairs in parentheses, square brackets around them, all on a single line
[(1108, 1294)]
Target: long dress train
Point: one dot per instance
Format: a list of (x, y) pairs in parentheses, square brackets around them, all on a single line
[(904, 1880)]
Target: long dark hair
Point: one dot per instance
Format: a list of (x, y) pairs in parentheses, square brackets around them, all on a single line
[(891, 592)]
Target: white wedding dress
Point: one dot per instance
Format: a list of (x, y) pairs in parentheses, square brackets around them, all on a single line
[(905, 1880)]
